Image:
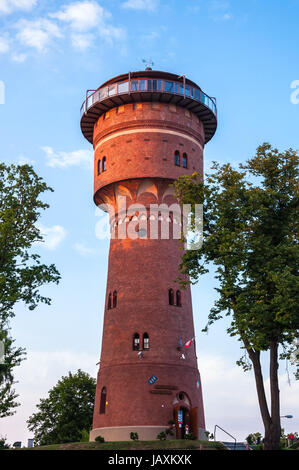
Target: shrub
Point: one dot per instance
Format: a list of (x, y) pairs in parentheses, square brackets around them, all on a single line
[(100, 439), (3, 443), (161, 436), (190, 437), (84, 436), (134, 436)]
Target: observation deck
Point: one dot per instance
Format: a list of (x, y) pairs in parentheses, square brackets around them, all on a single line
[(148, 85)]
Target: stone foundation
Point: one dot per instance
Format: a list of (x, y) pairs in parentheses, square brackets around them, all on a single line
[(145, 433)]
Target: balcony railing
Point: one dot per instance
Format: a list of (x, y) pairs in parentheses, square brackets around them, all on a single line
[(148, 85)]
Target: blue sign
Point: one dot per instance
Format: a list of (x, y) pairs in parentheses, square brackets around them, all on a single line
[(152, 380), (198, 384)]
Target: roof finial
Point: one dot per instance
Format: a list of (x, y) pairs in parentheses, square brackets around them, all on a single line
[(149, 63)]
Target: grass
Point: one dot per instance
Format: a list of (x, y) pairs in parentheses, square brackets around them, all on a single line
[(135, 445)]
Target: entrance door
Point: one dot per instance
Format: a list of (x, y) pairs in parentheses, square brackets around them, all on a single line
[(182, 421)]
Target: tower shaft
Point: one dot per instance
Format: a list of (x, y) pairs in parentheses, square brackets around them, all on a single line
[(144, 140)]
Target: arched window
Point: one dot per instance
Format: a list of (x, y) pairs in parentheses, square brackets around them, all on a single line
[(177, 158), (99, 167), (170, 297), (178, 298), (184, 160), (136, 342), (114, 299), (103, 401), (104, 164), (146, 341), (109, 301)]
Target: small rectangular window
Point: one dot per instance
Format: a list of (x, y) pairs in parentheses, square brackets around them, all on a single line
[(197, 94), (123, 87), (168, 86), (134, 85), (103, 93), (111, 90)]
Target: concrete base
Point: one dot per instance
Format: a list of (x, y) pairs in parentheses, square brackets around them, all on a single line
[(145, 433)]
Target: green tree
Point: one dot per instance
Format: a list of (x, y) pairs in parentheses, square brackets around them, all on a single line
[(21, 270), (250, 234), (254, 438), (66, 414)]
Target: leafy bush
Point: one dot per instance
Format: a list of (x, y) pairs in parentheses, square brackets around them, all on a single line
[(161, 436), (84, 436), (134, 436), (3, 443), (100, 439), (190, 437)]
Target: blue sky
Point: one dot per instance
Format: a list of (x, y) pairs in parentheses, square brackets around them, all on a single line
[(245, 53)]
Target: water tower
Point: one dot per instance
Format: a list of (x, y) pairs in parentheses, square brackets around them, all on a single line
[(147, 129)]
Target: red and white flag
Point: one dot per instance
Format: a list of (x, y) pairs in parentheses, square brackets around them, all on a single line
[(188, 344)]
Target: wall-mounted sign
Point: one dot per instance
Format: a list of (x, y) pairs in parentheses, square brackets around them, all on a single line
[(152, 380), (198, 384)]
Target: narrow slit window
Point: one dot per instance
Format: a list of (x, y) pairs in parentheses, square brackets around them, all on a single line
[(170, 297), (177, 158), (146, 341), (178, 298), (104, 166), (114, 299), (136, 342), (103, 401), (185, 160), (99, 167), (109, 301)]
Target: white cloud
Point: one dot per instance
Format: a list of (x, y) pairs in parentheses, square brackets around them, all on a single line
[(25, 161), (66, 159), (4, 45), (52, 236), (18, 57), (220, 10), (84, 16), (82, 22), (81, 16), (230, 398), (83, 250), (8, 6), (35, 377), (82, 41), (145, 5), (37, 34), (219, 4)]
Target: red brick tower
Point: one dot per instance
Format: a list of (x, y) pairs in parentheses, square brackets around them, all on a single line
[(147, 128)]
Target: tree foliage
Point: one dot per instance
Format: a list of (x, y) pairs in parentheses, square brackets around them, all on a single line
[(67, 412), (250, 233), (3, 443), (21, 270), (13, 357)]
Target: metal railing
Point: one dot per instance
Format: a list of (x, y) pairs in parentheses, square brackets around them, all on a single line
[(149, 85), (216, 426)]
